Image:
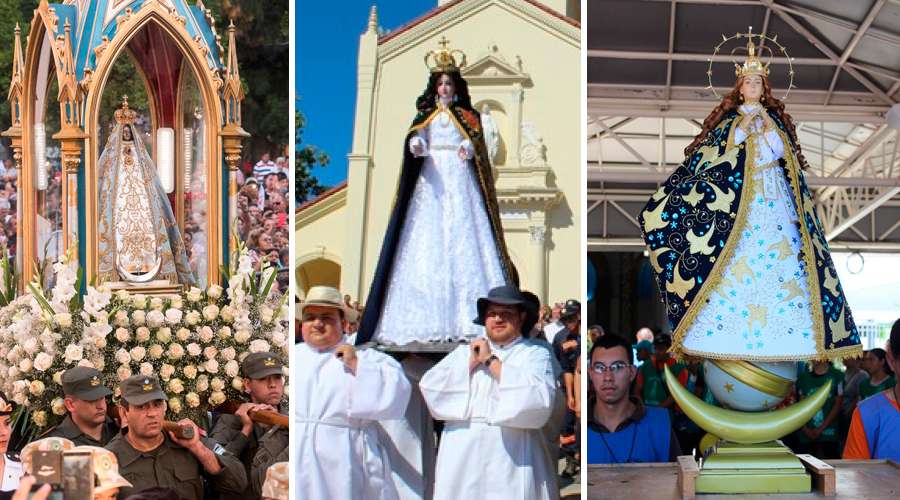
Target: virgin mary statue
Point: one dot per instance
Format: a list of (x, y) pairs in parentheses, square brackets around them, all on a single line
[(139, 238), (734, 238), (444, 247)]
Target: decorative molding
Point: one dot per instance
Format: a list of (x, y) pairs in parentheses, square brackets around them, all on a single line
[(455, 14)]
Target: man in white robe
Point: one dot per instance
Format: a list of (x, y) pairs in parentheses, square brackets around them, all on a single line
[(339, 395), (494, 395)]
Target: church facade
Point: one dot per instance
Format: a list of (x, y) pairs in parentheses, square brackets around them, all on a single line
[(531, 117)]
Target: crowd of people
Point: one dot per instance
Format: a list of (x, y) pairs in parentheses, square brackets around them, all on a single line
[(633, 418), (522, 404), (263, 214)]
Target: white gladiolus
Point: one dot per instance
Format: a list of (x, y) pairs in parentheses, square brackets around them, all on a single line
[(173, 316), (96, 300), (279, 339), (214, 292)]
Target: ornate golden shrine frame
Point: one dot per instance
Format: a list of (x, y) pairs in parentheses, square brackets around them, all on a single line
[(89, 92)]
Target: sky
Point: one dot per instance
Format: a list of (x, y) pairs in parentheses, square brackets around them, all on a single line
[(327, 42)]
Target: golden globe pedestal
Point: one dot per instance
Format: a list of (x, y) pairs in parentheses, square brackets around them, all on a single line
[(748, 459)]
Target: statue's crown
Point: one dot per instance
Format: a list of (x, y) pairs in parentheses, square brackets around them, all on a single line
[(752, 64), (125, 115), (445, 59)]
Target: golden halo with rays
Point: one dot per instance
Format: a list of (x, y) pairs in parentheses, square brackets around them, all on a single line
[(750, 35)]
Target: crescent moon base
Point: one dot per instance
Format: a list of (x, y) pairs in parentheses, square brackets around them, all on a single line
[(749, 459)]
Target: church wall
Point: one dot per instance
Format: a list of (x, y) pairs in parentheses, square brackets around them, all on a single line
[(551, 103)]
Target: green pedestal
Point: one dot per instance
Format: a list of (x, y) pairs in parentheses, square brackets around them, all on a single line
[(753, 468)]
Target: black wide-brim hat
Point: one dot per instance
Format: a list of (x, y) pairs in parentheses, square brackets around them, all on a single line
[(510, 296)]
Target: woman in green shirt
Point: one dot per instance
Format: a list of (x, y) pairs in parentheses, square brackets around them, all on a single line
[(880, 375)]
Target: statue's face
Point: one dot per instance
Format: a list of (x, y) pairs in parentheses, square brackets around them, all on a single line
[(126, 133), (445, 87), (752, 88)]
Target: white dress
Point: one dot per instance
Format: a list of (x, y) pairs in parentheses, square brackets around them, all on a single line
[(761, 308), (446, 258), (339, 452), (492, 447)]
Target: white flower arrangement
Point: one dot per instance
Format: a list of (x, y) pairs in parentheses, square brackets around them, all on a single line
[(194, 342)]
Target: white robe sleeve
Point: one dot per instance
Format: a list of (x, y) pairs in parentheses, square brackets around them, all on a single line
[(380, 388), (775, 143), (525, 394), (467, 148), (418, 140), (445, 387)]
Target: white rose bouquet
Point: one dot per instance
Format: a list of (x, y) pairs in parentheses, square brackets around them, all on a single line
[(194, 342)]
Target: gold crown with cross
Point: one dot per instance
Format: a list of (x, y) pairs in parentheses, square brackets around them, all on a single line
[(445, 59), (125, 115)]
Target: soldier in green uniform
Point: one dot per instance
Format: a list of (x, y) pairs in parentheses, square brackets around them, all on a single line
[(87, 423), (149, 456), (257, 445)]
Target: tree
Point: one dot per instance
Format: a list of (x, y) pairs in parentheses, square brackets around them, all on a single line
[(306, 158)]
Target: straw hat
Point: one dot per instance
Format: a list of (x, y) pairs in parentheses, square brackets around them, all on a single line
[(324, 296)]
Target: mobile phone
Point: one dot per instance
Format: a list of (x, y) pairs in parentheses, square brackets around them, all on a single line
[(46, 466), (78, 475)]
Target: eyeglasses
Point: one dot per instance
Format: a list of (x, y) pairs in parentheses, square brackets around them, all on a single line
[(614, 368)]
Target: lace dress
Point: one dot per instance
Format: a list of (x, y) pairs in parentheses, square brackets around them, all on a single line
[(446, 258), (761, 307)]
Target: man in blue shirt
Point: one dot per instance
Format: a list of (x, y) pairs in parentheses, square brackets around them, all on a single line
[(620, 428)]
